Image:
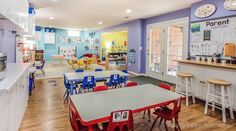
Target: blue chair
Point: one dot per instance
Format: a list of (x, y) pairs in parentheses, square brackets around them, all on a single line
[(88, 83), (79, 70), (40, 67), (31, 84), (124, 78), (114, 81), (98, 69), (70, 88)]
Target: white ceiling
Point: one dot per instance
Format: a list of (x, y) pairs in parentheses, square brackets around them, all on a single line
[(81, 14)]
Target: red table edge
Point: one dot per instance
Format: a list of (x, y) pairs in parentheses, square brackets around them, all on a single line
[(89, 123)]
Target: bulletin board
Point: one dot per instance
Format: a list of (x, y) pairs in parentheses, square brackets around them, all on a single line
[(208, 37), (69, 52)]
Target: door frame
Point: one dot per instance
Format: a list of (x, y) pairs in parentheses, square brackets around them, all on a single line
[(163, 64)]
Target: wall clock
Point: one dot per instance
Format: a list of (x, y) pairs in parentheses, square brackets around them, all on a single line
[(205, 11), (230, 4)]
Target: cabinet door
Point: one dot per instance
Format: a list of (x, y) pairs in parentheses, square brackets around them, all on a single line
[(4, 119), (12, 109), (197, 72)]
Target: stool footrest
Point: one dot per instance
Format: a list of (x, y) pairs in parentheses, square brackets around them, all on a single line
[(217, 103)]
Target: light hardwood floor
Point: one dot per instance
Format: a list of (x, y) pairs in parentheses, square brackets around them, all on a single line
[(46, 112)]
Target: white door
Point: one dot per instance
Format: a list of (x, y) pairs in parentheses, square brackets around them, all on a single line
[(154, 51), (172, 44)]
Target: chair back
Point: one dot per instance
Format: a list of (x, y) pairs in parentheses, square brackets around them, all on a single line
[(124, 71), (100, 88), (121, 120), (176, 108), (89, 82), (79, 70), (115, 78), (130, 84), (164, 86), (98, 70)]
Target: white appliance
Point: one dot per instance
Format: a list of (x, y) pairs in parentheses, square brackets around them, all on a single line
[(3, 65)]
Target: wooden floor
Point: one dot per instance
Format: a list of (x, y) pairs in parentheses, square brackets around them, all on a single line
[(46, 112)]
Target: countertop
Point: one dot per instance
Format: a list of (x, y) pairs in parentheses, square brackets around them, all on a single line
[(14, 72), (212, 64)]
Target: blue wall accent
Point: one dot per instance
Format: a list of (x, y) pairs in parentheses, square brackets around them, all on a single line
[(52, 49)]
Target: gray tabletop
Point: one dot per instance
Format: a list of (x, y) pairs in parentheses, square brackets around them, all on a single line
[(96, 105), (78, 76)]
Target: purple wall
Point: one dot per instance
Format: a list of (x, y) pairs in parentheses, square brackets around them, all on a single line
[(220, 12), (135, 33)]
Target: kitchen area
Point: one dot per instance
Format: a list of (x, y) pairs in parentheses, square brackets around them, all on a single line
[(14, 77)]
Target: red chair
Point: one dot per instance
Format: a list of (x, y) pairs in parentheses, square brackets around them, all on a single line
[(130, 84), (100, 88), (75, 122), (121, 120), (169, 114), (164, 86)]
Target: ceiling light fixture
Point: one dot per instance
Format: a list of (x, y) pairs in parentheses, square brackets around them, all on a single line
[(128, 11), (50, 26), (100, 23), (51, 18)]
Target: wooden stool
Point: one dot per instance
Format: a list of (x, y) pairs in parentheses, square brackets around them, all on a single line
[(188, 86), (223, 95)]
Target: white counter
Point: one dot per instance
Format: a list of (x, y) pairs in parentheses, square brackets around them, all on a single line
[(203, 71), (14, 94), (14, 71)]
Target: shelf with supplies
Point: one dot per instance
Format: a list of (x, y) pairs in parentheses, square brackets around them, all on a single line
[(39, 55), (116, 61)]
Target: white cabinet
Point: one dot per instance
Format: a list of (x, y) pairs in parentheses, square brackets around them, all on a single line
[(202, 73), (16, 11), (13, 104)]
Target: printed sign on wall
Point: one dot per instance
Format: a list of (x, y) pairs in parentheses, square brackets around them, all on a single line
[(208, 37), (69, 52)]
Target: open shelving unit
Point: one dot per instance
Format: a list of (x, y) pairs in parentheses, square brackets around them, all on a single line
[(117, 61)]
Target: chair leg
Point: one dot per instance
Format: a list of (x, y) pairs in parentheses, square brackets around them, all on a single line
[(154, 123), (67, 95), (230, 103), (223, 103), (144, 114), (213, 101), (177, 126), (187, 91), (149, 114), (160, 122), (193, 94), (207, 98), (165, 125)]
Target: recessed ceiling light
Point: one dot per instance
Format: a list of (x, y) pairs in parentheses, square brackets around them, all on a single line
[(50, 26), (85, 29), (51, 18), (128, 11), (55, 0), (100, 23)]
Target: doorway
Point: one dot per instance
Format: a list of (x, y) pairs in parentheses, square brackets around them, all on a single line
[(166, 42)]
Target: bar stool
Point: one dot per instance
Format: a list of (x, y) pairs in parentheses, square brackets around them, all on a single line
[(223, 96), (185, 78)]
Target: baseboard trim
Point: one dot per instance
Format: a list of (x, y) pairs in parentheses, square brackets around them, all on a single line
[(136, 74)]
